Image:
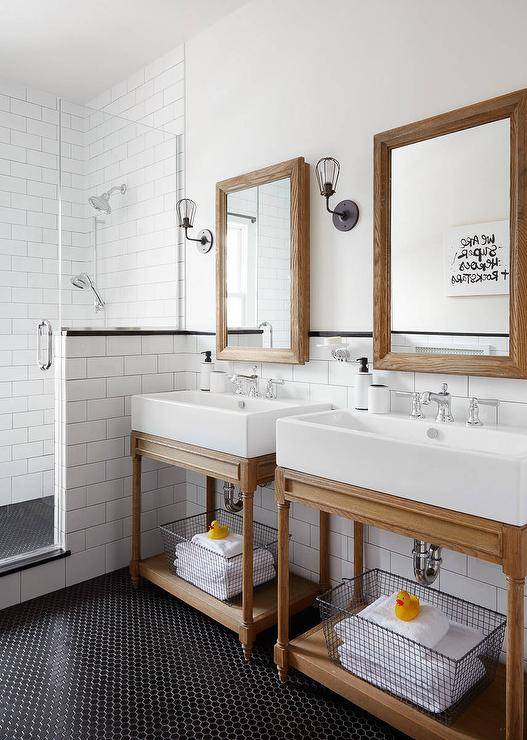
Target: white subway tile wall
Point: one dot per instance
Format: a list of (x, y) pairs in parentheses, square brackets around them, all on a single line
[(134, 136)]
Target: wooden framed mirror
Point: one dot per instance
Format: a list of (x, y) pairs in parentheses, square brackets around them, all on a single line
[(450, 250), (262, 265)]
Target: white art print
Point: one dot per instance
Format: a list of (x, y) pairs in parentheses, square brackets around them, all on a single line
[(477, 259)]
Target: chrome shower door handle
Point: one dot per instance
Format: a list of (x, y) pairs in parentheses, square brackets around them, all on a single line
[(44, 349)]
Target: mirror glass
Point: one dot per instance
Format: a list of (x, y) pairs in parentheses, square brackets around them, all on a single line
[(258, 266), (450, 243)]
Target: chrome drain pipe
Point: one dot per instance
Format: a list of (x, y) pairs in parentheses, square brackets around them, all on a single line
[(232, 504), (427, 562)]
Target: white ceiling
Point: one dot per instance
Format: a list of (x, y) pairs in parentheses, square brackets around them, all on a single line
[(78, 48)]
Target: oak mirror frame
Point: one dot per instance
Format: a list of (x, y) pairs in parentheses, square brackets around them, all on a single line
[(284, 337), (511, 108)]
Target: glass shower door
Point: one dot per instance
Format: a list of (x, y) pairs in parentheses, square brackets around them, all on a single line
[(29, 316)]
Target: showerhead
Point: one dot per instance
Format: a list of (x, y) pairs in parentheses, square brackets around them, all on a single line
[(101, 203), (81, 281)]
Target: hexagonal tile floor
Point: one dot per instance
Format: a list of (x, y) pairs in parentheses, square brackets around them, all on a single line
[(101, 661), (26, 526)]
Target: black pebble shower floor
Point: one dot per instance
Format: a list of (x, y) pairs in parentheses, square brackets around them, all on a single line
[(101, 661), (26, 526)]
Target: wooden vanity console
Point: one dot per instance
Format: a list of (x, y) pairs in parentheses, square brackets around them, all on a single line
[(498, 712), (258, 608)]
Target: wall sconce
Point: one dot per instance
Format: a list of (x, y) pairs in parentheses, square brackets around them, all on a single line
[(186, 210), (346, 214)]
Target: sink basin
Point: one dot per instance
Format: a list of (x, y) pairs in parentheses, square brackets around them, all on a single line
[(481, 470), (218, 421)]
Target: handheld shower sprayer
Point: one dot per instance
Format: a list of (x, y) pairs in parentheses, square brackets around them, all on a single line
[(84, 282)]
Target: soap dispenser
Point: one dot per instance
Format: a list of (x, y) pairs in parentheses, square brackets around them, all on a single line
[(362, 382), (205, 370)]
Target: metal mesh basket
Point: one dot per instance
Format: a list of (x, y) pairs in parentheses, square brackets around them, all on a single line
[(214, 573), (434, 683)]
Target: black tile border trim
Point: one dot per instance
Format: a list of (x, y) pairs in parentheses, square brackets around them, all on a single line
[(453, 333), (32, 562), (135, 331)]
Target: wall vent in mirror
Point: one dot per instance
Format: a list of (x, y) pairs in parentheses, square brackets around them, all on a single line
[(450, 252)]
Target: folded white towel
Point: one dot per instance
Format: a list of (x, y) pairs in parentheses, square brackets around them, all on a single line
[(411, 672), (219, 576), (229, 546), (430, 685), (428, 628)]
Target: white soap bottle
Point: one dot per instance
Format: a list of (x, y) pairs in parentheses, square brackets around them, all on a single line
[(362, 382), (205, 370)]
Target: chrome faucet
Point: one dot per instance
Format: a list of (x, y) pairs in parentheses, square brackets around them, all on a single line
[(246, 385), (473, 410), (444, 403), (270, 391)]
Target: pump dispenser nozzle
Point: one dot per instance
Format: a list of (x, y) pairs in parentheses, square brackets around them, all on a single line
[(363, 368)]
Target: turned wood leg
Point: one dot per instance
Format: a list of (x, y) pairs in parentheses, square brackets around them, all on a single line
[(324, 551), (514, 691), (246, 631), (280, 649), (136, 519), (358, 548), (210, 501)]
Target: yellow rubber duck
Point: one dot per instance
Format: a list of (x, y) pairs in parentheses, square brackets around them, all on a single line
[(217, 531), (407, 606)]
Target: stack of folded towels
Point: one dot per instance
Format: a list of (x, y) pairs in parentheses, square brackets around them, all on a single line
[(406, 667), (215, 566)]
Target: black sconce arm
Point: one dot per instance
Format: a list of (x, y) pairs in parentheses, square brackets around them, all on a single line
[(343, 214), (202, 239)]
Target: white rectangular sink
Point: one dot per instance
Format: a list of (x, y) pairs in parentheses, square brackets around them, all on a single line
[(478, 470), (224, 422)]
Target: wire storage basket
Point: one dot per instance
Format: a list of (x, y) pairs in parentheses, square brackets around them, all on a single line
[(440, 684), (218, 574)]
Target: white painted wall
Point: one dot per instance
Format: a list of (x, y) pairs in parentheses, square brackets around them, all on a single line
[(280, 79)]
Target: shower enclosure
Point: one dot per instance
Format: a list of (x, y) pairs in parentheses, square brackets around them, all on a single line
[(87, 241)]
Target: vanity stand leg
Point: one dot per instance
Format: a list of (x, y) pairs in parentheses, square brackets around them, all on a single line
[(515, 677), (280, 649), (136, 517), (358, 549), (246, 629), (210, 501), (324, 551)]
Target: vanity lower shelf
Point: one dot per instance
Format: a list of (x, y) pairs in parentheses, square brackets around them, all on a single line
[(482, 720), (302, 593)]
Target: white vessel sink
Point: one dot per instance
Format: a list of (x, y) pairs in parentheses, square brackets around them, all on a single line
[(218, 421), (478, 470)]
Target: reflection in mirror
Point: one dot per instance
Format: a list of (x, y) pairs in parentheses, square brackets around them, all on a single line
[(449, 243), (258, 265)]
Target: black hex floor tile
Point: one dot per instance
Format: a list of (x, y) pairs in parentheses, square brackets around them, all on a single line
[(101, 661)]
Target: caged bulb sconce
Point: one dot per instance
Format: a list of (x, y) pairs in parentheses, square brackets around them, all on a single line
[(346, 214), (186, 210)]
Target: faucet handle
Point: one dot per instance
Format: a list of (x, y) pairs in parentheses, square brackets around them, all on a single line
[(444, 388), (473, 419), (417, 401), (270, 392)]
